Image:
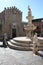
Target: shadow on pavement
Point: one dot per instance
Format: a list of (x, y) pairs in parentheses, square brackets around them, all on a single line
[(3, 46), (41, 55)]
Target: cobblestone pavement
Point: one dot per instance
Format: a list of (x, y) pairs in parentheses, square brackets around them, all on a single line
[(14, 57)]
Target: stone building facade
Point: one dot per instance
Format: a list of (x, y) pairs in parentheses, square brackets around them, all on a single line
[(39, 26), (11, 22)]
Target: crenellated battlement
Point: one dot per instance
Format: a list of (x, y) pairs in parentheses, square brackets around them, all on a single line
[(13, 9)]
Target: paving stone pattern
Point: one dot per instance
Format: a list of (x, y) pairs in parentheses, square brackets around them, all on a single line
[(15, 57)]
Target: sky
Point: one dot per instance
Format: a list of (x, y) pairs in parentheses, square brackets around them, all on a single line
[(35, 5)]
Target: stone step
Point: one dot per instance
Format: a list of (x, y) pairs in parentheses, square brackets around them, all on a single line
[(41, 48), (21, 44), (18, 47), (22, 40), (40, 44)]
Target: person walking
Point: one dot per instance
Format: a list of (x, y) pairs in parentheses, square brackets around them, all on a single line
[(4, 40)]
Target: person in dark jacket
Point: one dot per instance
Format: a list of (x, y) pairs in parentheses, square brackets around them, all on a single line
[(4, 41)]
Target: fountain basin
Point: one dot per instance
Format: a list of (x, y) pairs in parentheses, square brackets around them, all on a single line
[(26, 39), (22, 39)]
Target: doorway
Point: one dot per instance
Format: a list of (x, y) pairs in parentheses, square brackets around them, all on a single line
[(13, 33)]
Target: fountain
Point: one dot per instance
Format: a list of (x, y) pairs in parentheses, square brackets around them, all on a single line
[(30, 27), (25, 43)]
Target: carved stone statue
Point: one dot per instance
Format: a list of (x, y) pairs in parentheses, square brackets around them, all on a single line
[(35, 44), (30, 26), (29, 17)]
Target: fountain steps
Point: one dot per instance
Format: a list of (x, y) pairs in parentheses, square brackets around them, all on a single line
[(22, 46), (18, 47), (41, 46)]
